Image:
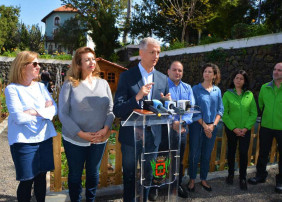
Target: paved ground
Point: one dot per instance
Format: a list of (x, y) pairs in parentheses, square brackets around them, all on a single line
[(221, 191)]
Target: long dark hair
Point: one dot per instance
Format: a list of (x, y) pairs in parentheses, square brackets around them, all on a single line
[(246, 85)]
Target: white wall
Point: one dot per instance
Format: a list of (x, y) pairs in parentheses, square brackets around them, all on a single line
[(238, 43)]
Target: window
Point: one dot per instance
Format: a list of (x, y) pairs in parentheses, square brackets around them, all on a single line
[(57, 21), (102, 75), (111, 77)]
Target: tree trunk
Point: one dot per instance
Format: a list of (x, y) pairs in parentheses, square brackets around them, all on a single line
[(183, 32), (199, 35), (127, 22)]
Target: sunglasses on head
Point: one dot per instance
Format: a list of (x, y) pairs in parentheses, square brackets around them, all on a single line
[(34, 63)]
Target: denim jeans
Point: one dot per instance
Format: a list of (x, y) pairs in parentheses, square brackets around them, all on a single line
[(129, 165), (200, 148), (244, 143), (77, 156)]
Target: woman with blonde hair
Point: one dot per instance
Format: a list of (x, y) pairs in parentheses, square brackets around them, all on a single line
[(85, 110), (30, 129)]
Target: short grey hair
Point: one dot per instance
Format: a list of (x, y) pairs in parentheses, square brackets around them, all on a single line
[(149, 40)]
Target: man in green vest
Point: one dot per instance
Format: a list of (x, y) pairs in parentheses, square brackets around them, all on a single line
[(270, 103)]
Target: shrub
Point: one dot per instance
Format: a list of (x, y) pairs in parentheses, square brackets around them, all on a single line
[(174, 45), (210, 39), (239, 30), (242, 30)]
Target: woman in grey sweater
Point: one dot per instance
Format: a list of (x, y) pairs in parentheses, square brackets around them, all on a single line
[(85, 110)]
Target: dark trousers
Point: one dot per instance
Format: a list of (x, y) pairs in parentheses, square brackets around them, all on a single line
[(164, 146), (244, 143), (24, 189), (266, 136), (129, 163), (77, 156)]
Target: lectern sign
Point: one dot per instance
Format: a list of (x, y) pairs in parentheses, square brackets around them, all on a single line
[(160, 168)]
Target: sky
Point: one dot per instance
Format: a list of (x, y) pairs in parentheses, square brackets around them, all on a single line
[(33, 11)]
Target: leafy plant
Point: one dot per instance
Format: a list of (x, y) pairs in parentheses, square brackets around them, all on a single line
[(210, 39), (174, 45), (217, 55)]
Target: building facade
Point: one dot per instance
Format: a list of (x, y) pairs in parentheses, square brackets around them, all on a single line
[(52, 22)]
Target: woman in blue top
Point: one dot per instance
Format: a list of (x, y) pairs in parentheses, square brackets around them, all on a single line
[(203, 129), (30, 128)]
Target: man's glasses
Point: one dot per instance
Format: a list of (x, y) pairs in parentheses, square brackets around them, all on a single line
[(34, 63)]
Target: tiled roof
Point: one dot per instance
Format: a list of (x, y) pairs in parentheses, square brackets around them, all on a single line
[(65, 8), (60, 9)]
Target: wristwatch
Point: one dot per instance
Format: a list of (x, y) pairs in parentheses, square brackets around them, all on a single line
[(214, 125)]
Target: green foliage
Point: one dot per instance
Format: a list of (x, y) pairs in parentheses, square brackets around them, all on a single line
[(4, 108), (257, 30), (114, 57), (272, 11), (56, 56), (217, 55), (242, 30), (228, 13), (71, 34), (28, 38), (9, 54), (175, 45), (239, 30), (210, 39), (100, 17), (8, 26)]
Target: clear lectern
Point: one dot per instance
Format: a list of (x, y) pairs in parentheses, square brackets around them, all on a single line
[(155, 168)]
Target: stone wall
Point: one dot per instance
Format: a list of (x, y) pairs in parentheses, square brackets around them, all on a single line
[(257, 61), (52, 65)]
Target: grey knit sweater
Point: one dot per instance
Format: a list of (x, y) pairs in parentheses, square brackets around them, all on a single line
[(82, 109)]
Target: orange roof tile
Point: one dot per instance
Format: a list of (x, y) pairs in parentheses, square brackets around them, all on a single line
[(63, 8)]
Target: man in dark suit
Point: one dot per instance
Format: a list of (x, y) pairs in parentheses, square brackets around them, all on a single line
[(139, 83)]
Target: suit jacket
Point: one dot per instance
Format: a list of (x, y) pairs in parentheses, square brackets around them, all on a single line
[(129, 85)]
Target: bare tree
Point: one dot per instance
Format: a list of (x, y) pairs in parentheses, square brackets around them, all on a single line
[(180, 11)]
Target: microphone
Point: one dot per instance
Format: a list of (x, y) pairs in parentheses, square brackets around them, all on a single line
[(184, 104), (149, 105), (157, 104), (170, 105)]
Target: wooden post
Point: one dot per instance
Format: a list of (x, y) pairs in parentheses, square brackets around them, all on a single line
[(213, 155), (223, 150), (57, 141), (273, 151), (104, 167), (257, 147), (118, 166), (186, 155), (251, 147)]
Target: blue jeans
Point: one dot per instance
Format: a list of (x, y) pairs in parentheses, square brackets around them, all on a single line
[(129, 165), (77, 156), (200, 147)]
